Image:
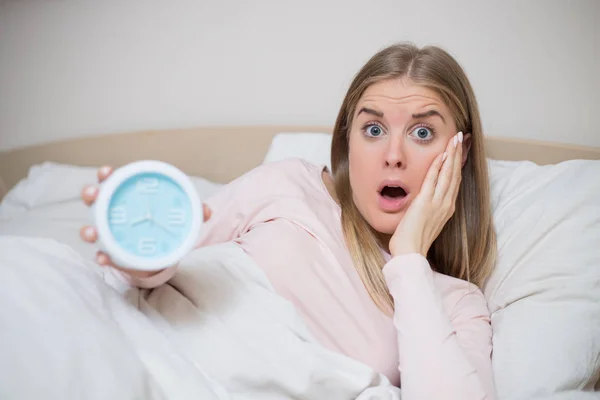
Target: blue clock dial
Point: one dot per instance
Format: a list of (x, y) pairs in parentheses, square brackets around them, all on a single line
[(149, 215)]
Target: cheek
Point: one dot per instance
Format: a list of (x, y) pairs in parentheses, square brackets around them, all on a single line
[(421, 160), (362, 165), (362, 153), (357, 155)]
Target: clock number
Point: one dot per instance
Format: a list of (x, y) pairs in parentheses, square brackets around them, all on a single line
[(176, 216), (118, 215), (147, 185), (147, 246)]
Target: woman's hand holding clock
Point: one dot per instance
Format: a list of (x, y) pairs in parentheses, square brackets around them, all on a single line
[(144, 215)]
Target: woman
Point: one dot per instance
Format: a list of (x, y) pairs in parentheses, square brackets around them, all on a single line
[(381, 256)]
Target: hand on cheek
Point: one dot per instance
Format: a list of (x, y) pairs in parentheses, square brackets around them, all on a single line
[(434, 205)]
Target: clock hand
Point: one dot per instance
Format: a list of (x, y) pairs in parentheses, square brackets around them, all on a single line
[(142, 219), (164, 228), (149, 209)]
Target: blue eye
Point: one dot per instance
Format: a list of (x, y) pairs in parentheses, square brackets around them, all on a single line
[(373, 130), (422, 133)]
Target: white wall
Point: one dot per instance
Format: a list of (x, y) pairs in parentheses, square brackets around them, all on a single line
[(73, 67)]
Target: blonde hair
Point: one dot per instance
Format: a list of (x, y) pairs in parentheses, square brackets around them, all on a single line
[(466, 247)]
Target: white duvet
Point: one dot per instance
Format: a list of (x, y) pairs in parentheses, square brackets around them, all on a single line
[(73, 330)]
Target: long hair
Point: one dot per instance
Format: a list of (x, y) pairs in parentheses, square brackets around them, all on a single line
[(466, 247)]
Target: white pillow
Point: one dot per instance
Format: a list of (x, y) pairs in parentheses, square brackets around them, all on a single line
[(314, 147), (47, 204), (544, 293)]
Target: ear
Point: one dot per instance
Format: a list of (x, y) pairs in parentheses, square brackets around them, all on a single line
[(466, 147)]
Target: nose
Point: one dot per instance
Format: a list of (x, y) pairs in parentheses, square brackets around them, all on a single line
[(394, 153)]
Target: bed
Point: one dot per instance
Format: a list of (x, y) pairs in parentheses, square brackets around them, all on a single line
[(544, 294)]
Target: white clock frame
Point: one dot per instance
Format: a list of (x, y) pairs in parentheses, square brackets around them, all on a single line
[(106, 240)]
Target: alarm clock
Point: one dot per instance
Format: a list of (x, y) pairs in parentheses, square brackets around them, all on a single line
[(148, 215)]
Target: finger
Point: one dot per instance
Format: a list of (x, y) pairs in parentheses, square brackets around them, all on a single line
[(89, 194), (447, 172), (207, 212), (104, 172), (103, 259), (428, 187), (456, 174), (88, 234)]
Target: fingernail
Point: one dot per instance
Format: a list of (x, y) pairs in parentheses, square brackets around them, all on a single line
[(89, 232), (455, 140), (91, 191), (444, 156), (104, 170), (101, 259), (460, 137)]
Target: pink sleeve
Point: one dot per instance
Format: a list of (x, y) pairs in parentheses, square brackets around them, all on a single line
[(445, 346), (233, 207)]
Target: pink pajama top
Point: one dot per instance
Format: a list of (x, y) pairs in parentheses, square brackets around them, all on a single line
[(438, 343)]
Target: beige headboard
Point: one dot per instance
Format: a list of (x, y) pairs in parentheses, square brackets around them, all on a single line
[(222, 153)]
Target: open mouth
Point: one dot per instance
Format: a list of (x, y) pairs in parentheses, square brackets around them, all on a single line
[(392, 196), (393, 192)]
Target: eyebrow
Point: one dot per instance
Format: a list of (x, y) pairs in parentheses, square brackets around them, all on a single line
[(429, 113), (370, 111), (425, 114)]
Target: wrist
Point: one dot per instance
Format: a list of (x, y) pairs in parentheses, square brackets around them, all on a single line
[(407, 249)]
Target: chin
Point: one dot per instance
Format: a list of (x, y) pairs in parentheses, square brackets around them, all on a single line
[(384, 223)]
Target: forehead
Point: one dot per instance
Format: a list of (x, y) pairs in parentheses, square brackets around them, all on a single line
[(403, 93)]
